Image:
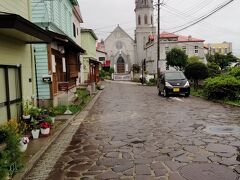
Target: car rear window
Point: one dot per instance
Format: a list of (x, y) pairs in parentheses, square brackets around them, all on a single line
[(175, 76)]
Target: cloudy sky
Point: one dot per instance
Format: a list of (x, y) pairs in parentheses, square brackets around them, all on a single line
[(104, 15)]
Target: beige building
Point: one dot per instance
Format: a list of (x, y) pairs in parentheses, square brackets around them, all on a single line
[(17, 75), (221, 48)]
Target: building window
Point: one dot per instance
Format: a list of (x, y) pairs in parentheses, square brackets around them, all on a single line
[(102, 59), (184, 49), (74, 30), (214, 50), (145, 19), (166, 49), (225, 51), (220, 50), (151, 19), (196, 50), (139, 20), (145, 2)]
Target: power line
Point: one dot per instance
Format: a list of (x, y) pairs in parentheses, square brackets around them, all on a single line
[(205, 16)]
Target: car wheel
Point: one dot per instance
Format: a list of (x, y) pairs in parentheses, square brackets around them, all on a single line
[(165, 93), (187, 95)]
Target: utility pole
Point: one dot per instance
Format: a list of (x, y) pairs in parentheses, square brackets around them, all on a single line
[(158, 41)]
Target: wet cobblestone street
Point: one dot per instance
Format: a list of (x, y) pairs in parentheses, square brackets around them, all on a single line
[(132, 133)]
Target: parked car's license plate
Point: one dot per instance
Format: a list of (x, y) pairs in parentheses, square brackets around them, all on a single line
[(176, 89)]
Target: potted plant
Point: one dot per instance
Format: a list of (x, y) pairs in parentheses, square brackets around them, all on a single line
[(35, 112), (26, 111), (3, 137), (45, 128), (35, 129), (23, 144), (52, 114)]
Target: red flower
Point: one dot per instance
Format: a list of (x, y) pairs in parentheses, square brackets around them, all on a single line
[(45, 125)]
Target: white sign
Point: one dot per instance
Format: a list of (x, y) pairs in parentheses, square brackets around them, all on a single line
[(64, 64), (53, 64)]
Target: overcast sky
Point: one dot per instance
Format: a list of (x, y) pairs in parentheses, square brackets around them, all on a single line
[(104, 15)]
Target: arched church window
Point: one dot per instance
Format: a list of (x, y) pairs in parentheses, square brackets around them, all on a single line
[(151, 19), (145, 19), (139, 20)]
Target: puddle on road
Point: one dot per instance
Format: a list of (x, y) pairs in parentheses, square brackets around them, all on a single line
[(222, 130)]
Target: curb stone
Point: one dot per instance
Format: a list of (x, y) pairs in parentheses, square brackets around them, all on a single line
[(34, 160)]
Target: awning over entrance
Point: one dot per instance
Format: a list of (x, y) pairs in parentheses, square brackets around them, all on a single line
[(94, 61), (66, 41), (15, 26)]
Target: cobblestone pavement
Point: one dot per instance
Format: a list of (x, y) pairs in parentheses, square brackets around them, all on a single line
[(131, 133)]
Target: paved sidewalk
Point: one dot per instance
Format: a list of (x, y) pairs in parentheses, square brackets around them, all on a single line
[(44, 166)]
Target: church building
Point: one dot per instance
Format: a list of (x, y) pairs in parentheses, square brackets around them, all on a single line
[(123, 51)]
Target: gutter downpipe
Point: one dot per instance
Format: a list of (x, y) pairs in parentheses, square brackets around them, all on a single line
[(36, 79)]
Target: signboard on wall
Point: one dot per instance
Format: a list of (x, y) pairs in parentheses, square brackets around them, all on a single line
[(63, 86)]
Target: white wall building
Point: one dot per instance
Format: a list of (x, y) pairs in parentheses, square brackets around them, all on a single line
[(120, 48), (191, 46)]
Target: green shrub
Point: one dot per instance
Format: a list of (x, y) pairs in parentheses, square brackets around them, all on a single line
[(151, 82), (213, 69), (102, 74), (221, 87), (196, 71), (235, 72), (11, 154)]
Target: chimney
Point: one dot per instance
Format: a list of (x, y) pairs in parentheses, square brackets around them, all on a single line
[(189, 38)]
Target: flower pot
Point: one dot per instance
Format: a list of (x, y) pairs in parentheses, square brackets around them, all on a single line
[(45, 131), (35, 133), (26, 117), (22, 146)]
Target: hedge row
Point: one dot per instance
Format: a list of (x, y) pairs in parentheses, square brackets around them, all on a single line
[(222, 87)]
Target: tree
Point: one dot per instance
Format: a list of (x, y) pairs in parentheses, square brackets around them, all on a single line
[(136, 68), (196, 71), (222, 60), (193, 59), (177, 59), (213, 69), (231, 57), (111, 70)]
